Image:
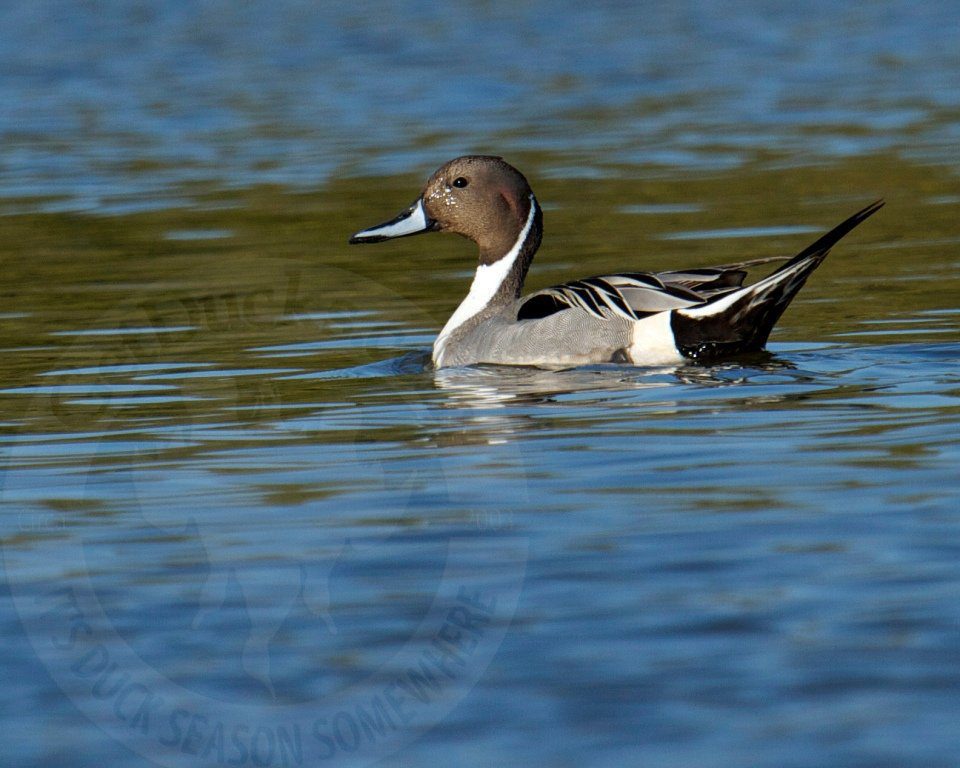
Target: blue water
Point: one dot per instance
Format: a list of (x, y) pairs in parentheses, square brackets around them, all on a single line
[(244, 522), (113, 105), (713, 566)]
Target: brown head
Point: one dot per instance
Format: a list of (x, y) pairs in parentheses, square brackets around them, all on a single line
[(477, 196)]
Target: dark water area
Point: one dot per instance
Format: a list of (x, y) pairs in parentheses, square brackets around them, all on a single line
[(244, 522)]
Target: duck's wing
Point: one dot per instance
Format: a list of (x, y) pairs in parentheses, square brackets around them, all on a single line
[(630, 295), (637, 294), (709, 282)]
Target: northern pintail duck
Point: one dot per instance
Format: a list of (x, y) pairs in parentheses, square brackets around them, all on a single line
[(642, 318)]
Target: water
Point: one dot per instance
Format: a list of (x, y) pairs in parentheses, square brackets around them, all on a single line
[(245, 523)]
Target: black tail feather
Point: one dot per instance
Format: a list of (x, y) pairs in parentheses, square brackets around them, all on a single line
[(822, 246), (743, 319)]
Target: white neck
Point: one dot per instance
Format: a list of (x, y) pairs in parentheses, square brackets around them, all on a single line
[(486, 283)]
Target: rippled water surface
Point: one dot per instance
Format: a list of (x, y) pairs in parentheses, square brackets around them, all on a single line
[(244, 522)]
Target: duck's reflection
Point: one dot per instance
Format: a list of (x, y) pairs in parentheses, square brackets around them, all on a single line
[(485, 386), (599, 397), (490, 385)]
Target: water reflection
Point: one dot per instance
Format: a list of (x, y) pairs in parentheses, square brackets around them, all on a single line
[(490, 386), (485, 386)]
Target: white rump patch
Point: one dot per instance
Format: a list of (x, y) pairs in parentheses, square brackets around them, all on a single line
[(486, 281), (652, 342)]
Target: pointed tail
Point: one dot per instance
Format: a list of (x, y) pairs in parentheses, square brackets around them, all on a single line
[(741, 321)]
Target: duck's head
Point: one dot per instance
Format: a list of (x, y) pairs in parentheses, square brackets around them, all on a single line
[(477, 196)]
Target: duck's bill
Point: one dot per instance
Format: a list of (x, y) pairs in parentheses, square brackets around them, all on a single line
[(412, 221)]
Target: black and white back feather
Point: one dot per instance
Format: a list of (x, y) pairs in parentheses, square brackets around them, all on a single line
[(634, 295)]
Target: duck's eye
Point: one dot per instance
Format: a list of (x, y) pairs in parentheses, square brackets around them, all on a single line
[(460, 182)]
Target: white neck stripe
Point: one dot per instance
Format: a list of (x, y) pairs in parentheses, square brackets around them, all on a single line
[(486, 283)]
